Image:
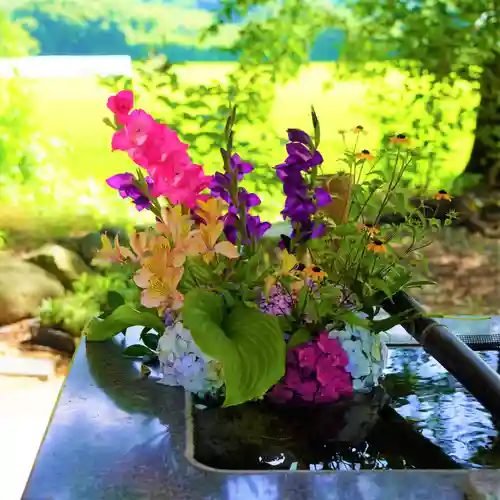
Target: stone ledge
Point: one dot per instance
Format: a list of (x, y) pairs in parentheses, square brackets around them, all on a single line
[(42, 369), (483, 485)]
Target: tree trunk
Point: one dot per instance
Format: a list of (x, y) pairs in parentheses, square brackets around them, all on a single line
[(485, 156)]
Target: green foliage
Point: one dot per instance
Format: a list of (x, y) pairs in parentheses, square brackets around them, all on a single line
[(118, 321), (444, 44), (249, 344), (268, 54), (20, 146), (89, 299)]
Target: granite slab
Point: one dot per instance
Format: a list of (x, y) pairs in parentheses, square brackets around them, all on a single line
[(116, 436)]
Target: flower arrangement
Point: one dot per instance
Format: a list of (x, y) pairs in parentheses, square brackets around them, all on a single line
[(228, 318)]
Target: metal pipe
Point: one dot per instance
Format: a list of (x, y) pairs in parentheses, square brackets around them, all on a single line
[(461, 361)]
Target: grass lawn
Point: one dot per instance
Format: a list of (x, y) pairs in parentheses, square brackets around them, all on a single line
[(71, 110)]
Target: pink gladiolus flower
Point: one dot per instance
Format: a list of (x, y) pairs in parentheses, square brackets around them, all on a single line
[(184, 188), (135, 132), (163, 151), (121, 104), (158, 149)]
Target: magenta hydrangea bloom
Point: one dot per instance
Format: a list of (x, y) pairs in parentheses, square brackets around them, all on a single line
[(315, 373)]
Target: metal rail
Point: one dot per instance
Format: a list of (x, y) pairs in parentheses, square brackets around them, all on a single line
[(459, 359)]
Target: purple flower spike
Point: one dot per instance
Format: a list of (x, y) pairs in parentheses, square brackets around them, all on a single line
[(318, 231), (126, 185), (322, 197), (240, 166), (297, 135), (302, 202), (220, 185), (220, 188), (255, 228)]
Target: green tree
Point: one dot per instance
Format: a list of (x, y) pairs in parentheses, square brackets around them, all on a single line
[(18, 147), (439, 44), (271, 47), (446, 42)]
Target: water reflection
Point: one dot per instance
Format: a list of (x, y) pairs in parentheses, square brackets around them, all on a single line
[(442, 409), (432, 423), (252, 488)]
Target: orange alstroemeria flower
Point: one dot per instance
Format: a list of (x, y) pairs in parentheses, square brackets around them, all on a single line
[(178, 228), (209, 235), (211, 210), (174, 224), (161, 291), (110, 253), (160, 276)]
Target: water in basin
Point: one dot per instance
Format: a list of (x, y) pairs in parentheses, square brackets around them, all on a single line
[(443, 427)]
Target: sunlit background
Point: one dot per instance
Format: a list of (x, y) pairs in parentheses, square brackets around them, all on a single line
[(424, 68)]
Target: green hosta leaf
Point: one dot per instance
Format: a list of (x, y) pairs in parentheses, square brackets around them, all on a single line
[(119, 320), (115, 300), (248, 343), (138, 351), (299, 337), (150, 340)]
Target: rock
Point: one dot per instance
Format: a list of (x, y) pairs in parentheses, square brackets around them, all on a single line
[(23, 286), (491, 212), (88, 245), (66, 265), (54, 339), (483, 485)]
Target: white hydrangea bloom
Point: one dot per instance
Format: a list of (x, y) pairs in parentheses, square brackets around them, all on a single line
[(367, 355), (183, 364)]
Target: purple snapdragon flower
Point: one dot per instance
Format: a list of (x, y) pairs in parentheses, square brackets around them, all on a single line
[(301, 202), (220, 188), (127, 187)]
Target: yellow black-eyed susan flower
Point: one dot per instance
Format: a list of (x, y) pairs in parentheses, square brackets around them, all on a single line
[(442, 195), (315, 273), (359, 129), (400, 139), (369, 228), (377, 246), (365, 155)]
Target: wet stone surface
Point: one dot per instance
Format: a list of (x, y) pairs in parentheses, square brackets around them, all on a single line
[(130, 436)]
